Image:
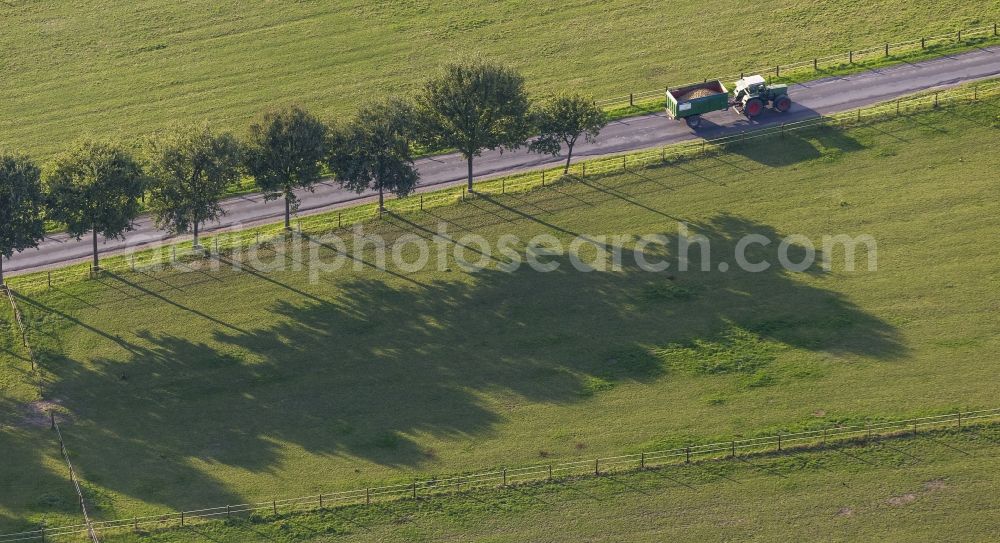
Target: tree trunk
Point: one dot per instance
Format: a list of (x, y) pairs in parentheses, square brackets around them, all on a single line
[(288, 213), (381, 199), (569, 156), (97, 264), (196, 234), (470, 173)]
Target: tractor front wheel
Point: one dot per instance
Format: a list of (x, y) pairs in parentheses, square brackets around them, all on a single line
[(783, 103), (753, 107), (693, 122)]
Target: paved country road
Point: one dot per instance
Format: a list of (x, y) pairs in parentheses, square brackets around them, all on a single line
[(811, 99)]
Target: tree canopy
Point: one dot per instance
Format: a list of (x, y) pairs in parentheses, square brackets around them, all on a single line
[(22, 206), (190, 168), (285, 152), (372, 151), (95, 187), (474, 106), (562, 120)]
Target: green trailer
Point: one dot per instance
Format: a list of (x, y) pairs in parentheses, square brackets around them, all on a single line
[(750, 96), (690, 102)]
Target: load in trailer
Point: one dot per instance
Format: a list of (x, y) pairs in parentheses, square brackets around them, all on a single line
[(692, 101), (750, 96)]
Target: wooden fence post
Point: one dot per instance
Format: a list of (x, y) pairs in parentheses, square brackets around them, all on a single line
[(816, 64), (543, 177), (368, 496), (959, 419), (550, 472), (584, 170), (887, 49), (504, 477), (321, 500), (777, 70), (734, 448), (182, 518), (623, 162), (597, 467), (414, 490), (421, 202), (340, 215), (779, 442), (631, 99), (229, 511), (687, 455), (923, 43), (959, 36), (850, 57), (642, 460), (274, 507)]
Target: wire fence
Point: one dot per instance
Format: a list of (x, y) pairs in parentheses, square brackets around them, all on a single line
[(87, 526), (230, 243), (830, 62), (19, 320), (502, 477)]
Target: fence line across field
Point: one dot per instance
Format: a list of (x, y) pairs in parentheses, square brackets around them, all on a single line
[(815, 64), (75, 479), (506, 476)]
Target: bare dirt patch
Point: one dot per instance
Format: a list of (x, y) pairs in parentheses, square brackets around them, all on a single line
[(935, 484), (819, 413), (845, 512), (905, 499), (36, 414)]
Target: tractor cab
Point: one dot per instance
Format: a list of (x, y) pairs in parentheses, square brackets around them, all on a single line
[(752, 94), (750, 85)]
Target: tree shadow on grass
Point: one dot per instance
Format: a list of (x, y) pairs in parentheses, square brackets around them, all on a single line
[(29, 486), (365, 375)]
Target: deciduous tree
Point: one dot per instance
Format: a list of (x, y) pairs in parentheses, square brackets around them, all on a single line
[(22, 205), (284, 153), (95, 187), (562, 120), (474, 106), (190, 168), (372, 151)]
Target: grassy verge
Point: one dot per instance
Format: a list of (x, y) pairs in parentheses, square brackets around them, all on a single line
[(932, 486), (827, 68), (199, 386)]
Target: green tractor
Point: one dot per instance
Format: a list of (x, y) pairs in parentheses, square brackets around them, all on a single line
[(752, 94)]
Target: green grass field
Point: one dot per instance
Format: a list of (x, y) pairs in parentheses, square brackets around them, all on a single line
[(111, 67), (188, 389), (935, 487)]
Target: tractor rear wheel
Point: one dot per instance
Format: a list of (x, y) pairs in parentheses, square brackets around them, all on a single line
[(783, 103), (693, 122), (753, 107)]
